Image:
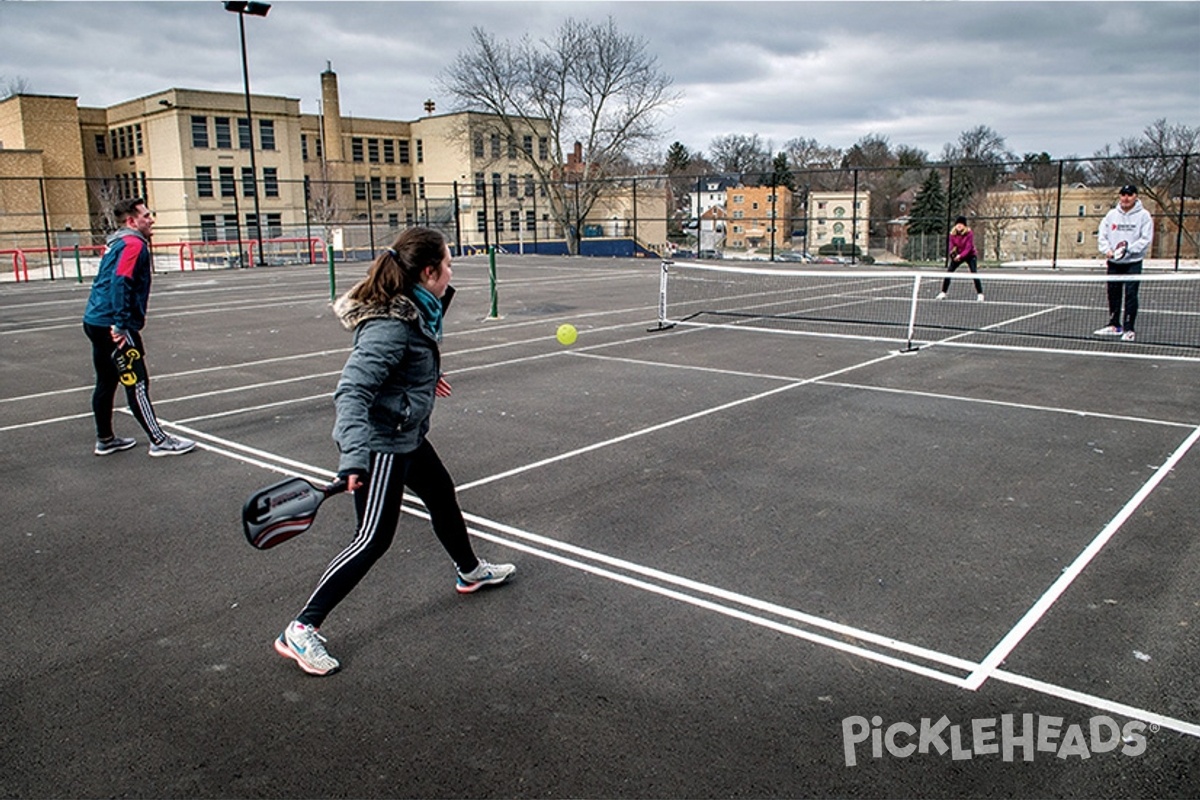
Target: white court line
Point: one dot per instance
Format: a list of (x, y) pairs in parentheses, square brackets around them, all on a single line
[(1005, 646), (263, 459), (668, 424)]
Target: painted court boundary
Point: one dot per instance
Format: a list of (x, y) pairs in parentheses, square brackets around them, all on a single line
[(542, 547), (579, 558)]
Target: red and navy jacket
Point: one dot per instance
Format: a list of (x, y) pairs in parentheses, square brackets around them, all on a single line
[(122, 285)]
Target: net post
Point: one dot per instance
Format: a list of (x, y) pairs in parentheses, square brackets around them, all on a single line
[(663, 325), (912, 314)]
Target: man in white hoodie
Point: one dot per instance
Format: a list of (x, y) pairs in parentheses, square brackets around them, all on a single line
[(1124, 239)]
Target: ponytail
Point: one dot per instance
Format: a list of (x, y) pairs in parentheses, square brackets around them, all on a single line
[(398, 268)]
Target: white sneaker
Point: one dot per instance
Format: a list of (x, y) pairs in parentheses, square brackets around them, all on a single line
[(940, 296), (1108, 330), (113, 445), (304, 645), (484, 575), (172, 446), (979, 297), (1128, 336)]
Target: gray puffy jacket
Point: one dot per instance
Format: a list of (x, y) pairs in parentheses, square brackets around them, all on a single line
[(385, 395)]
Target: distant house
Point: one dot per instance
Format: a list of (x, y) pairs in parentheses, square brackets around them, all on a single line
[(759, 216)]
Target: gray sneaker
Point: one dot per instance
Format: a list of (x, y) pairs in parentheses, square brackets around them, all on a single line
[(484, 575), (113, 445), (304, 645), (172, 446)]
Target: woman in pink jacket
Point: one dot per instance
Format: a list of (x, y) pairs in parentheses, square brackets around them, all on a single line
[(962, 251)]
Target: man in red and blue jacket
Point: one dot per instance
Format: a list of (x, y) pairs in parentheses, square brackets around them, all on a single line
[(113, 320)]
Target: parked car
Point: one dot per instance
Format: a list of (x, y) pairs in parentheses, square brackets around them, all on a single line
[(711, 254), (792, 255)]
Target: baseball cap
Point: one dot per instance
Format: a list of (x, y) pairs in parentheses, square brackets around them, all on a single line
[(1128, 188)]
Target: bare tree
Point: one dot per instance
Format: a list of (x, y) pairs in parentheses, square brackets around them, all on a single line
[(1156, 163), (589, 84), (740, 153)]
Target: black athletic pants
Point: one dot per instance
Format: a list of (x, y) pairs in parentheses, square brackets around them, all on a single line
[(1127, 288), (972, 264), (107, 380), (378, 508)]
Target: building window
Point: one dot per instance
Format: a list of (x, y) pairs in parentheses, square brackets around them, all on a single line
[(402, 150), (320, 148), (224, 139), (495, 142), (420, 152), (252, 231), (495, 184), (356, 149), (204, 182), (270, 182), (266, 134), (530, 220), (512, 185), (527, 145), (1079, 237), (514, 221), (247, 182), (480, 222), (376, 188), (373, 151), (389, 188), (421, 187), (304, 147), (360, 188), (230, 224), (208, 227), (1082, 211), (405, 186), (137, 135), (200, 132), (512, 147), (243, 126), (529, 186), (225, 176), (100, 144), (480, 186), (543, 148), (274, 225), (389, 151), (477, 144)]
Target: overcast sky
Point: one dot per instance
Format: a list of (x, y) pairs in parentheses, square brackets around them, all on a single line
[(1062, 77)]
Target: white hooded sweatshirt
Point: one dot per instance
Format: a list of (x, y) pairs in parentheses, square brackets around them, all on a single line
[(1135, 228)]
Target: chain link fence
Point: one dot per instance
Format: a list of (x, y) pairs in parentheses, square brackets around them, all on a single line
[(1044, 214)]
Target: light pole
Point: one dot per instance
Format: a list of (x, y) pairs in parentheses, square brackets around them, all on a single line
[(242, 8)]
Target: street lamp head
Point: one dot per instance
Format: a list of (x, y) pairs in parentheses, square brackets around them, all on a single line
[(243, 7)]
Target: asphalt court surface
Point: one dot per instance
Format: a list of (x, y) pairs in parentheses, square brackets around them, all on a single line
[(728, 542)]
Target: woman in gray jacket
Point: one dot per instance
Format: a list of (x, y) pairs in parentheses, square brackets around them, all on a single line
[(384, 399)]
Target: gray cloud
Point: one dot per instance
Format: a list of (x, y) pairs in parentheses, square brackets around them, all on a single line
[(1064, 77)]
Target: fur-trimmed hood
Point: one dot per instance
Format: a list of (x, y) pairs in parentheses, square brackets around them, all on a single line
[(352, 313)]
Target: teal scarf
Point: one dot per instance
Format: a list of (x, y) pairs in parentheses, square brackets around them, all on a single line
[(431, 310)]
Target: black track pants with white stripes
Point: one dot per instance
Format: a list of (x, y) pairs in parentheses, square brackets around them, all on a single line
[(378, 508), (107, 381)]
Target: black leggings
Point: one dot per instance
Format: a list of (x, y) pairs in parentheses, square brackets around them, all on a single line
[(971, 263), (378, 508), (1127, 288), (107, 380)]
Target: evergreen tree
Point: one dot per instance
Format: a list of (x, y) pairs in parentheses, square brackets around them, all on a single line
[(927, 222), (678, 159), (781, 174)]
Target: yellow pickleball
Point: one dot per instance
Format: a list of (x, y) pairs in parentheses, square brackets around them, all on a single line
[(567, 334)]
